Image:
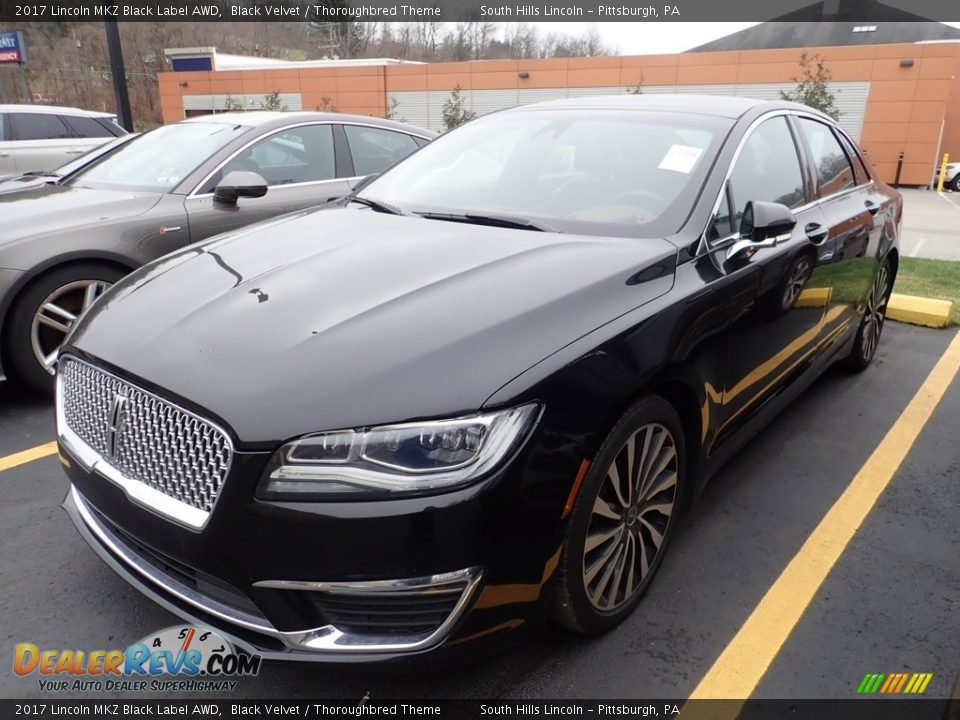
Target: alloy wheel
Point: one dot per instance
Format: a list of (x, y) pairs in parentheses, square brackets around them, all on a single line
[(56, 316), (796, 282), (630, 517), (875, 314)]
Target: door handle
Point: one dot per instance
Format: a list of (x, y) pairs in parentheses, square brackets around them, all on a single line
[(816, 233), (871, 206)]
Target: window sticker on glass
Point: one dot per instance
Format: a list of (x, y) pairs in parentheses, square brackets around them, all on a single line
[(680, 158)]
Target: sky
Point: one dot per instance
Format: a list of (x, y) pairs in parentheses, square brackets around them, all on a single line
[(641, 38)]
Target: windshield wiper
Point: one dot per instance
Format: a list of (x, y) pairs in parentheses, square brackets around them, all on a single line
[(507, 221), (377, 205), (40, 173)]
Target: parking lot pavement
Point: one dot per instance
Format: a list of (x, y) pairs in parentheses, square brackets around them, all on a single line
[(889, 604), (931, 224)]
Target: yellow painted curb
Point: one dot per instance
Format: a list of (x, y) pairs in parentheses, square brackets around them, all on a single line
[(920, 311)]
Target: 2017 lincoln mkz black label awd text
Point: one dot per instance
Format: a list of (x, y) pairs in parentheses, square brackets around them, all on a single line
[(477, 392)]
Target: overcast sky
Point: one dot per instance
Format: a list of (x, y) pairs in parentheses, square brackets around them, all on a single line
[(642, 38)]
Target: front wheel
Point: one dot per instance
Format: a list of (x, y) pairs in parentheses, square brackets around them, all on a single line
[(44, 314), (871, 326), (622, 519)]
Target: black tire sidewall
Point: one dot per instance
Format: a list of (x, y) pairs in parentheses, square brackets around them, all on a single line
[(855, 360), (17, 348), (650, 409)]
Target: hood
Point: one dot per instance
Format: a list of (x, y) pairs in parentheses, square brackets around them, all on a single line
[(345, 318), (50, 208)]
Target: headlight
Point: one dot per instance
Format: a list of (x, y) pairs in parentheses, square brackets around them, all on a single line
[(396, 459)]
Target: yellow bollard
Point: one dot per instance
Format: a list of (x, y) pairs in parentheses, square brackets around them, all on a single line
[(943, 171)]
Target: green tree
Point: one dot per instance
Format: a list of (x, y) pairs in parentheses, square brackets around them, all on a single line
[(454, 110), (232, 104), (273, 102), (813, 86), (638, 88)]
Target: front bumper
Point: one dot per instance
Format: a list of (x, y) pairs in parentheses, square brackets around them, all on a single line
[(294, 580)]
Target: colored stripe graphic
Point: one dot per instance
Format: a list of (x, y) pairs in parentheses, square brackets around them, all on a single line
[(894, 683)]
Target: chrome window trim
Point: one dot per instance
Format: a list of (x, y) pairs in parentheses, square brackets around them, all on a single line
[(704, 245), (149, 498), (195, 193), (325, 639)]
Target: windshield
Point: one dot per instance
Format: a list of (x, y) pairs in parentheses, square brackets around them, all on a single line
[(160, 159), (592, 172), (72, 166)]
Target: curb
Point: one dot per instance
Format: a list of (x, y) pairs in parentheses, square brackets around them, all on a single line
[(920, 311)]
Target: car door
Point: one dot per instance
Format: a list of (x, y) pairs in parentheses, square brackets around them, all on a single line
[(300, 165), (849, 208), (41, 141), (779, 298)]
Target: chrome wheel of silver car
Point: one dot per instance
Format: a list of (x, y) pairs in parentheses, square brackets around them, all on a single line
[(875, 314), (56, 316), (630, 518)]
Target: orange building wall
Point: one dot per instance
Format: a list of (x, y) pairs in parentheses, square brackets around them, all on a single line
[(905, 109)]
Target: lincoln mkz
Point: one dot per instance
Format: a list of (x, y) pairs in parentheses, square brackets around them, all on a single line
[(478, 392)]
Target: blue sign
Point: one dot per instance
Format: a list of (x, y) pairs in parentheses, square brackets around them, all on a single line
[(12, 48)]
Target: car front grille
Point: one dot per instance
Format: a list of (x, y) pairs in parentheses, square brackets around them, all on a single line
[(145, 440)]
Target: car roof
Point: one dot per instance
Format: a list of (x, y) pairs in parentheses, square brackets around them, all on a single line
[(55, 109), (717, 105), (269, 119)]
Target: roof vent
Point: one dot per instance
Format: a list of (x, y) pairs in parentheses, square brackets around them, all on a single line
[(864, 28)]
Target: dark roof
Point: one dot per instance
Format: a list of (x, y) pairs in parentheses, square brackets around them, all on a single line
[(798, 30)]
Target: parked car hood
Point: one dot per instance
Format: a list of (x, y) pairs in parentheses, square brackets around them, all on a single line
[(51, 208), (349, 317)]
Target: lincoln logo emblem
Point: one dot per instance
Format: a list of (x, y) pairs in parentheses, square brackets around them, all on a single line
[(118, 413)]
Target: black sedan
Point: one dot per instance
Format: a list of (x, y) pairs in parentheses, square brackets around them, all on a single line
[(480, 393), (62, 244)]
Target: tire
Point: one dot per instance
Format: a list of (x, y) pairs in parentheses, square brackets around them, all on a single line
[(66, 292), (955, 183), (871, 326), (583, 599)]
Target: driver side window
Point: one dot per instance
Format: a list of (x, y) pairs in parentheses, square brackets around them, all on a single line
[(767, 169)]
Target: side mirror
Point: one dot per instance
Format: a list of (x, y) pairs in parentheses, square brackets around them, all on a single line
[(238, 184), (763, 225)]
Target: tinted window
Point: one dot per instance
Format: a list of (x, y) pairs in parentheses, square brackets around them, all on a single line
[(768, 168), (3, 127), (592, 172), (722, 224), (303, 154), (834, 173), (863, 176), (86, 127), (374, 150), (40, 126)]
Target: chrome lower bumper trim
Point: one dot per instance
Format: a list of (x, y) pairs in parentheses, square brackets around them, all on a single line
[(322, 641)]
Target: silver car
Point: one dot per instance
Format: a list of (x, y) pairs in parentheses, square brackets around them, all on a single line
[(41, 137), (62, 245)]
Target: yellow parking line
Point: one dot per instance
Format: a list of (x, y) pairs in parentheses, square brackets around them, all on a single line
[(21, 458), (745, 660)]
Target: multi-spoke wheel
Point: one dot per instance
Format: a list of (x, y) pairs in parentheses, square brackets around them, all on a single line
[(874, 315), (622, 518), (44, 314), (796, 280)]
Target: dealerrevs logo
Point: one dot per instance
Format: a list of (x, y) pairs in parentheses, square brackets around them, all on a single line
[(182, 650)]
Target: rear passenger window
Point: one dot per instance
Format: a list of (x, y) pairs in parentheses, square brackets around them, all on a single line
[(768, 168), (863, 176), (39, 126), (86, 127), (374, 149), (834, 173)]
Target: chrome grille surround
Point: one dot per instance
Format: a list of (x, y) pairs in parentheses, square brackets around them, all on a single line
[(165, 457)]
